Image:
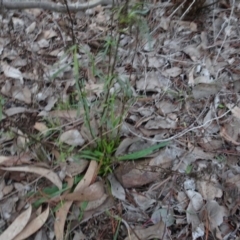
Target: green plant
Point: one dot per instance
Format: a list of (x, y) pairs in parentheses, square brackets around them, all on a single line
[(117, 96), (221, 158), (46, 194), (83, 206), (188, 169), (119, 220), (2, 101), (222, 106), (43, 196), (106, 159), (109, 111)]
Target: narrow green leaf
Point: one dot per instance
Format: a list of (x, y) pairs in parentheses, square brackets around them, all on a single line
[(117, 231), (142, 153), (83, 206), (51, 192)]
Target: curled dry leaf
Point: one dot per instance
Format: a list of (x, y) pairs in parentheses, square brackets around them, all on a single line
[(172, 72), (167, 107), (164, 214), (142, 201), (235, 110), (93, 205), (93, 192), (16, 110), (41, 127), (22, 94), (15, 160), (50, 103), (209, 190), (47, 173), (73, 168), (205, 90), (160, 122), (193, 52), (33, 225), (61, 214), (155, 231), (116, 188), (164, 23), (196, 203), (124, 145), (155, 82), (59, 223), (135, 174), (89, 176), (72, 137), (7, 189), (225, 135), (12, 72), (196, 199), (107, 204), (216, 213), (17, 226), (31, 28)]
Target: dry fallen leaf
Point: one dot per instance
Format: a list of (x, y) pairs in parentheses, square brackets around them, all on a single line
[(33, 225), (41, 127), (116, 188), (93, 205), (216, 213), (47, 173), (15, 160), (12, 72), (195, 204), (209, 190), (234, 109), (137, 174), (22, 94), (62, 213), (72, 137), (17, 226), (172, 72), (15, 110), (225, 135), (93, 192), (193, 52), (155, 231), (59, 223)]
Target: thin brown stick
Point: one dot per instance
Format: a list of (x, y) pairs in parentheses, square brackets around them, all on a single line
[(47, 5)]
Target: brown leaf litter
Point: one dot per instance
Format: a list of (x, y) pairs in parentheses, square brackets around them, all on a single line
[(184, 76)]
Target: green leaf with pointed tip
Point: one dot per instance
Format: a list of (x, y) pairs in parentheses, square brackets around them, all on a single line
[(142, 153)]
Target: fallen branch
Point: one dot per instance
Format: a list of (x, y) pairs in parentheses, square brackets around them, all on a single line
[(56, 7)]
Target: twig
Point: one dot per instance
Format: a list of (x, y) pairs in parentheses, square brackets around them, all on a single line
[(71, 20), (55, 7), (186, 11), (226, 35), (181, 133)]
